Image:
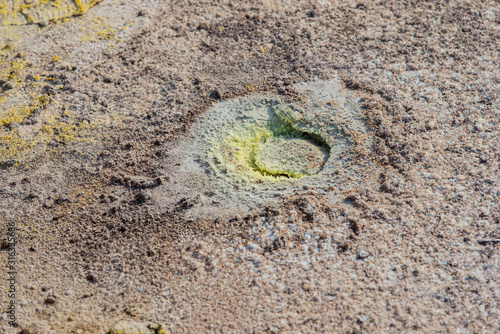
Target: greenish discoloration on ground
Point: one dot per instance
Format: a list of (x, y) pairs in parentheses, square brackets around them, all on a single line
[(31, 113), (246, 151)]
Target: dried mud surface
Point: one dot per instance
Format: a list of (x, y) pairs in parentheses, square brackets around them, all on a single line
[(82, 172)]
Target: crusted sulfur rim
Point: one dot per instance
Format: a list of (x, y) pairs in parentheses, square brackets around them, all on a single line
[(270, 146)]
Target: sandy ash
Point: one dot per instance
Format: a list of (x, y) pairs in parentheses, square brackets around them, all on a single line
[(416, 250)]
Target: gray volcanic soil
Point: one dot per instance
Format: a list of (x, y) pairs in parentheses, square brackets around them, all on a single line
[(415, 250)]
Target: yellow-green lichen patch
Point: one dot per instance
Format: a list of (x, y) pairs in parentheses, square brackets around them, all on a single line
[(18, 12), (11, 146), (99, 29), (63, 133), (18, 113), (16, 147), (12, 70)]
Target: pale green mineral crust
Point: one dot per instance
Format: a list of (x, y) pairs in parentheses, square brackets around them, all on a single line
[(274, 144), (19, 12)]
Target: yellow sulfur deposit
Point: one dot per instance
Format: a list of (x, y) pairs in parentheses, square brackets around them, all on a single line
[(18, 12), (18, 113), (238, 151), (270, 147)]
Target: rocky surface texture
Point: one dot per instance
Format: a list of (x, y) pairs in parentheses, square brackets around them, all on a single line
[(92, 107)]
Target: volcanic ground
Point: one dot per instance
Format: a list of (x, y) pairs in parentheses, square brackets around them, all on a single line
[(249, 166)]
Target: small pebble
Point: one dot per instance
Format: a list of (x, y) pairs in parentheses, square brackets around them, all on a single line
[(363, 255), (8, 86), (51, 299)]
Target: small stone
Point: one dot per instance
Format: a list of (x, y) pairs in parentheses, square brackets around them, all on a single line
[(91, 278), (48, 90), (363, 255), (217, 94), (142, 182), (44, 23), (4, 245), (279, 242), (142, 197), (344, 247), (51, 299), (362, 318), (187, 203), (356, 226), (8, 86), (159, 329)]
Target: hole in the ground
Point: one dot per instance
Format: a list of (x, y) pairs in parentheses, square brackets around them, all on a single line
[(272, 146)]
